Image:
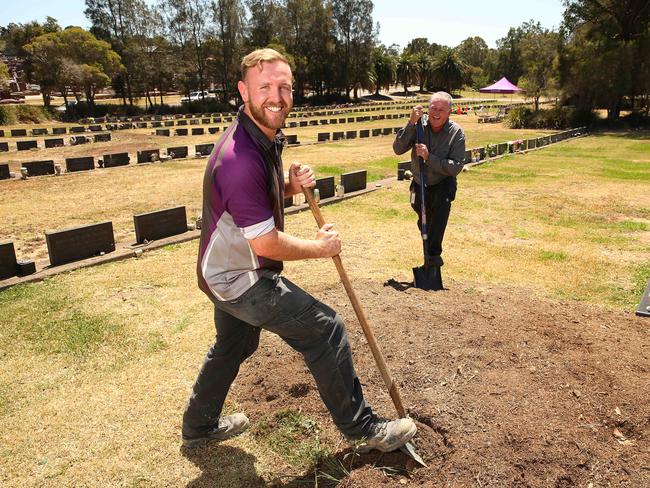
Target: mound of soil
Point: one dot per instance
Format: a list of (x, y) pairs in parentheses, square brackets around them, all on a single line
[(507, 389)]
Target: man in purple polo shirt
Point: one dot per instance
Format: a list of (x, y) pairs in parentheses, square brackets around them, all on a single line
[(240, 259)]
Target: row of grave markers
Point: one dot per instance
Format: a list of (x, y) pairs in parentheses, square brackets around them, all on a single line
[(86, 241), (85, 163), (57, 142), (157, 121)]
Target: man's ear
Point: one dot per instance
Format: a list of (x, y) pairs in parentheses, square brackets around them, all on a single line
[(243, 91)]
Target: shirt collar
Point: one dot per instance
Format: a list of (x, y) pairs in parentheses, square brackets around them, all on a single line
[(255, 132)]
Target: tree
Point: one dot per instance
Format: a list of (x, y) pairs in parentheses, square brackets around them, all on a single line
[(265, 22), (16, 36), (55, 53), (473, 51), (354, 29), (539, 56), (4, 76), (449, 71), (405, 69), (605, 57), (383, 68), (228, 16), (422, 67)]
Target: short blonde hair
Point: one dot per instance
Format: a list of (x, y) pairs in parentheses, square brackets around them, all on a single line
[(256, 58)]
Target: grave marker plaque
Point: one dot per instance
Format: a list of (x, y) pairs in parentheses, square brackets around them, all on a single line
[(159, 224), (198, 131), (18, 132), (2, 133), (323, 136), (179, 152), (288, 202), (59, 130), (502, 148), (181, 122), (643, 309), (181, 132), (168, 123), (351, 134), (148, 155), (116, 159), (4, 146), (39, 168), (75, 243), (292, 139), (354, 180), (386, 131), (338, 135), (39, 131), (195, 121), (203, 149), (77, 130), (162, 132), (325, 186), (5, 174), (79, 164), (364, 133), (532, 143), (376, 132), (26, 145), (213, 130), (103, 137), (58, 142), (8, 263), (95, 128)]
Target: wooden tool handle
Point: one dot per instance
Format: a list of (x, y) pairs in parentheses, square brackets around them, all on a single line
[(356, 305)]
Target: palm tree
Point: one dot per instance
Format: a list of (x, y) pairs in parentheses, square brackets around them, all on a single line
[(405, 69), (448, 70), (383, 68), (422, 65)]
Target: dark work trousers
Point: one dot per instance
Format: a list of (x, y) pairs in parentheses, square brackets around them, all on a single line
[(308, 326), (438, 206)]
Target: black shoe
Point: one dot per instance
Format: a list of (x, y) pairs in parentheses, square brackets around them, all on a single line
[(229, 426), (386, 436)]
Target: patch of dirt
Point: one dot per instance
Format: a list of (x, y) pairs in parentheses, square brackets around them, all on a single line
[(507, 389)]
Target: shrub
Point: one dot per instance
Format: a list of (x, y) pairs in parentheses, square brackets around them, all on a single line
[(523, 117), (518, 117)]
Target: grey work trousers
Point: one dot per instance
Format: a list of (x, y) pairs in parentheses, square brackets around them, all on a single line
[(308, 326)]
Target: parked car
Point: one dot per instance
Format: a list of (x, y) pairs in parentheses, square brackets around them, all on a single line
[(195, 96)]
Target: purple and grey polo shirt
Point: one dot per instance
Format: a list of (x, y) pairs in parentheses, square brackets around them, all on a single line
[(243, 196)]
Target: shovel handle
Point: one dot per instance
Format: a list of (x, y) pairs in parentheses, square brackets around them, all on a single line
[(361, 316)]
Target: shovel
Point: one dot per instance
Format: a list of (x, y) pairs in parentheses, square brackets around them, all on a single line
[(407, 448), (425, 277)]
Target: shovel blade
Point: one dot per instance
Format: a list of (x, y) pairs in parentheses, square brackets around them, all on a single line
[(409, 450), (427, 278)]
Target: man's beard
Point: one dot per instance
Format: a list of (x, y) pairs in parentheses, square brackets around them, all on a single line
[(261, 117)]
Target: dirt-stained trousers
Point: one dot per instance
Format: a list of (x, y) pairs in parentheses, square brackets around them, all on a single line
[(308, 326)]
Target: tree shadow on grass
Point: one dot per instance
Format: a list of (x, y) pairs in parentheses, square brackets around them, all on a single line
[(223, 466)]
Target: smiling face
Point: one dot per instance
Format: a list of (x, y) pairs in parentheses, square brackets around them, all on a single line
[(267, 93), (438, 114)]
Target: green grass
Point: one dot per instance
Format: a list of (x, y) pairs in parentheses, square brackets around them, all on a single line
[(293, 436), (552, 256), (46, 320)]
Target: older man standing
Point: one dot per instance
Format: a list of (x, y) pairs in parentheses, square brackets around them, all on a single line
[(242, 247), (443, 152)]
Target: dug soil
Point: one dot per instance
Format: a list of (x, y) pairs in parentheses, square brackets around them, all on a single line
[(508, 389)]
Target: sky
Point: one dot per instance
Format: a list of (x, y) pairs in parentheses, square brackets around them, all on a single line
[(446, 23)]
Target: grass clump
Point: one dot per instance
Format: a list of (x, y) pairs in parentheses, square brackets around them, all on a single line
[(293, 436)]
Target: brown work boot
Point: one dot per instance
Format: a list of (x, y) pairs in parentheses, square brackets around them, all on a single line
[(386, 435)]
